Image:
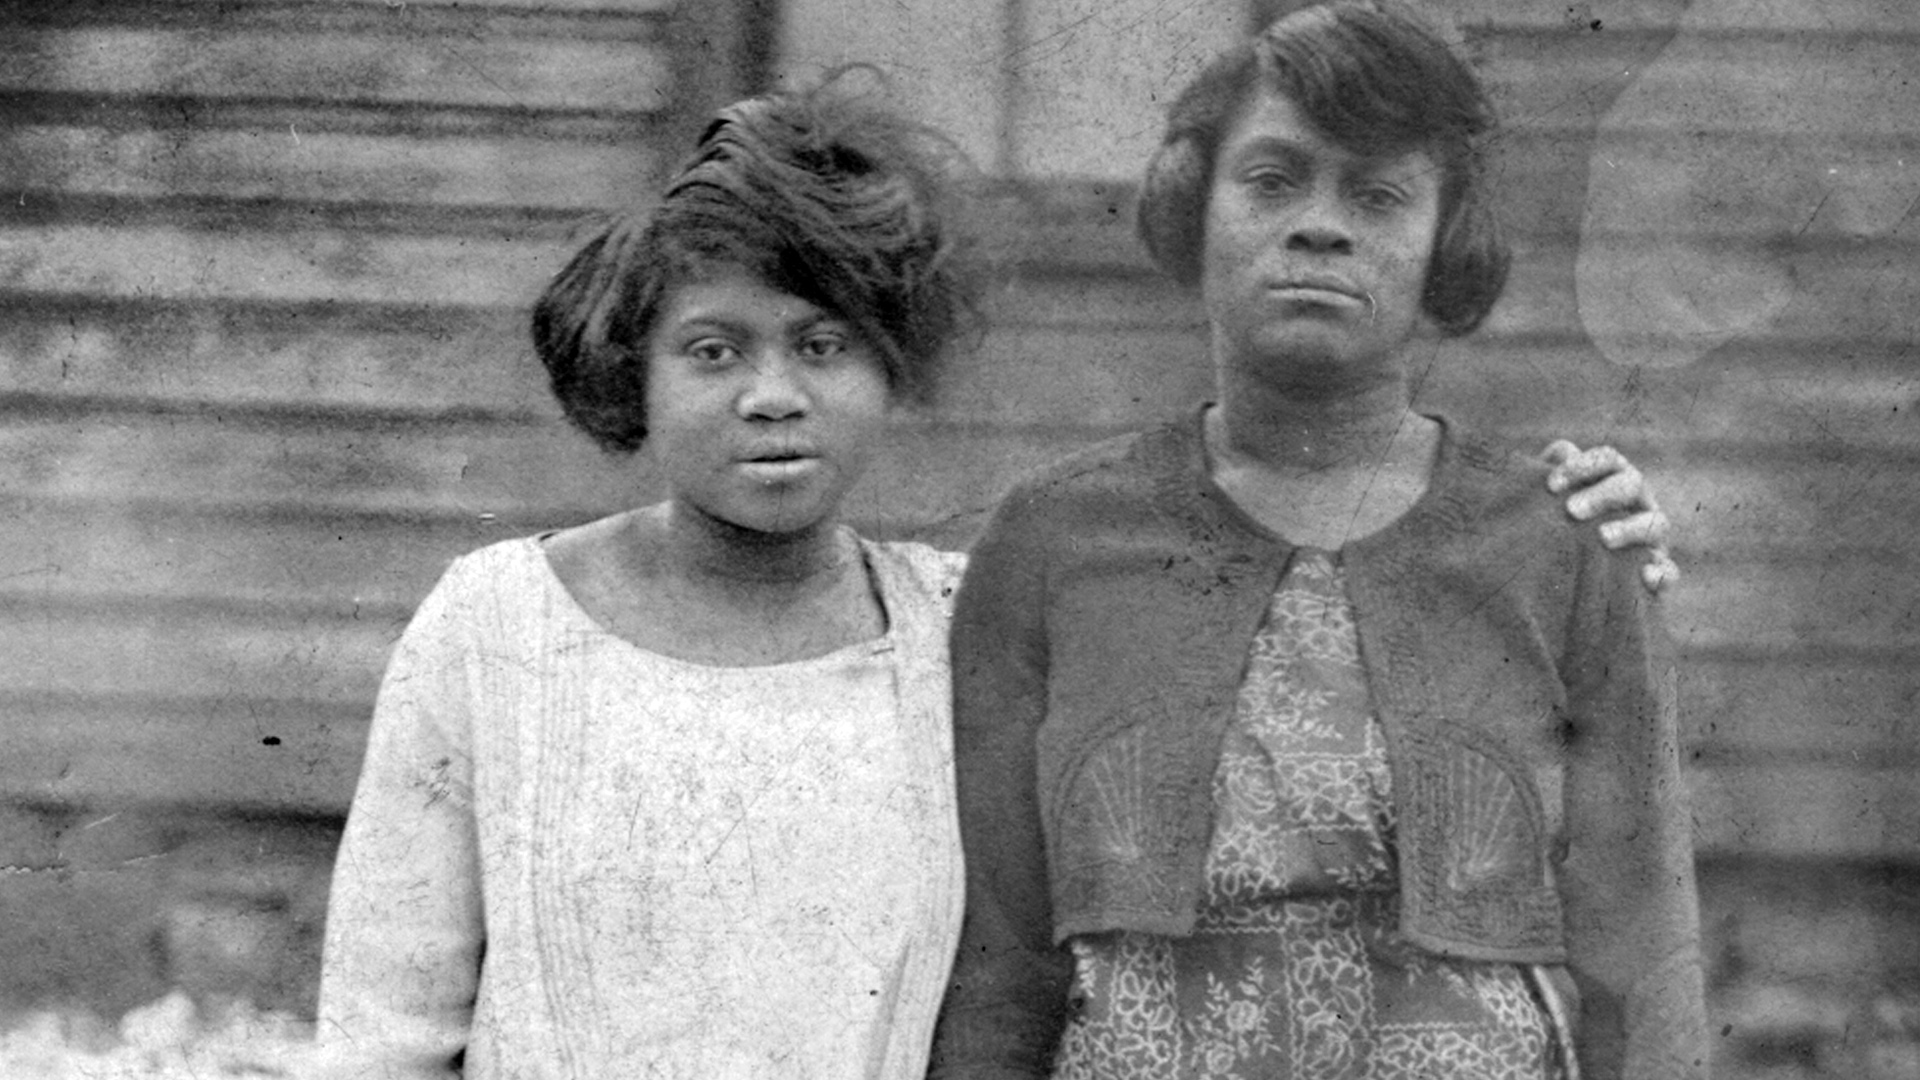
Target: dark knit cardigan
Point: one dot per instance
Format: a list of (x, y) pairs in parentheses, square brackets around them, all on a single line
[(1099, 643)]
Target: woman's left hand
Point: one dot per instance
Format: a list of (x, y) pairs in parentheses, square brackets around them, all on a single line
[(1602, 481)]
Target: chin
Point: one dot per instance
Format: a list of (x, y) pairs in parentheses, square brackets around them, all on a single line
[(1307, 350), (777, 517), (774, 526)]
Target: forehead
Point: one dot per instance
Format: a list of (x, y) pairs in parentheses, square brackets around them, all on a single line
[(1271, 121), (724, 292)]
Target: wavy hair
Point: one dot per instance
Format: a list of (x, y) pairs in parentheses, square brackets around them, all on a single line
[(821, 195), (1375, 80)]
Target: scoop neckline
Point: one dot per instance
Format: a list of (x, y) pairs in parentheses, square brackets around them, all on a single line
[(1241, 517), (886, 642)]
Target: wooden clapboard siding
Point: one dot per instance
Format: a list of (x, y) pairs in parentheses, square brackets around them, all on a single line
[(1804, 600), (267, 267), (1787, 454), (267, 369)]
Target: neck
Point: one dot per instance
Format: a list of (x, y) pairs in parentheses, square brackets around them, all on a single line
[(705, 549), (1310, 429)]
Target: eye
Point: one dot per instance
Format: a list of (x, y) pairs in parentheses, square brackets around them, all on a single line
[(1270, 182), (823, 345), (1380, 197), (712, 352)]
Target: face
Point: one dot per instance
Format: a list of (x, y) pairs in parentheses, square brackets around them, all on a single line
[(1315, 256), (762, 409)]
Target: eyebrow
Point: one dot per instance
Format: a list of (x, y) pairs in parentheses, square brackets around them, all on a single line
[(1369, 164), (1269, 144), (724, 322)]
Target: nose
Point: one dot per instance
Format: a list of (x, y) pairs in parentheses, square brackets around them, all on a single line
[(1321, 228), (774, 390)]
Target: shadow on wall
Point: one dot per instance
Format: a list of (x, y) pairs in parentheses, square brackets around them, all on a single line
[(1746, 225)]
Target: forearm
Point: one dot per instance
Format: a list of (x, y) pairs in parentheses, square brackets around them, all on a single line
[(1004, 1007), (401, 960), (1632, 912), (401, 964)]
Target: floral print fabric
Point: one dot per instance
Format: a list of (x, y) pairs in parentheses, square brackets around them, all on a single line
[(1294, 969)]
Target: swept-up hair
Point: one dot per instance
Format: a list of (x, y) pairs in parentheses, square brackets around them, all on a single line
[(1375, 80), (820, 194)]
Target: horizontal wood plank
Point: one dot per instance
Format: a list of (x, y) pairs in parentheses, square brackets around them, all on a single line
[(622, 7), (286, 267), (398, 69), (457, 471), (225, 753), (307, 357), (326, 167), (1785, 603), (1828, 811), (1717, 82), (182, 650), (1576, 22), (135, 554), (1833, 710), (1866, 504), (1814, 179)]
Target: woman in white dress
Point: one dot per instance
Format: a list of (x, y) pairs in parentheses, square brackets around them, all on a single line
[(670, 794)]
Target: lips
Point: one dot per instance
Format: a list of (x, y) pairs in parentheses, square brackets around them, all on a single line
[(1321, 283), (782, 463), (777, 453)]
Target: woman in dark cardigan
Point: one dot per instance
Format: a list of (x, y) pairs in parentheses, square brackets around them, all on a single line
[(1308, 737)]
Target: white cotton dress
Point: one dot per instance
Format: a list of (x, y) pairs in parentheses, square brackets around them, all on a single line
[(570, 857)]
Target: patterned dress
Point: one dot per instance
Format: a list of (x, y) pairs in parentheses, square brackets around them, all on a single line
[(1295, 969)]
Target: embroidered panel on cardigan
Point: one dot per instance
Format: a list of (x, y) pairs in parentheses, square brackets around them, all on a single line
[(1118, 858), (1488, 827)]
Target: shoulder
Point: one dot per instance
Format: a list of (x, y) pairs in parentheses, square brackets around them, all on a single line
[(1491, 463), (505, 568), (1130, 492), (1494, 484), (1120, 461), (491, 587), (1117, 483), (916, 571), (1495, 511), (593, 559)]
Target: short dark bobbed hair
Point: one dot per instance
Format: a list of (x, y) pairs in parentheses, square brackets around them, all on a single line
[(1375, 80), (820, 194)]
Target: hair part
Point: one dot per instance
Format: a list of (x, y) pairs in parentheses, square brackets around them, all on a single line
[(820, 194), (1374, 80)]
